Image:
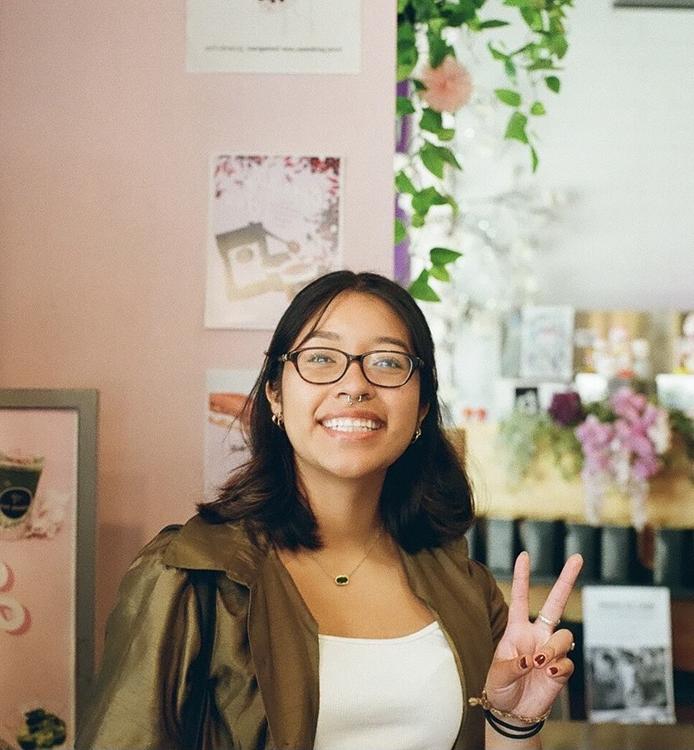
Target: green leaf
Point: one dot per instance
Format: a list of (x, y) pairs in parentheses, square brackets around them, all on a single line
[(446, 134), (441, 256), (430, 120), (491, 24), (553, 83), (508, 96), (403, 106), (406, 50), (418, 85), (420, 289), (423, 200), (558, 45), (533, 18), (439, 49), (448, 156), (534, 159), (542, 64), (538, 108), (516, 127), (400, 232), (510, 68), (431, 159), (456, 14), (403, 184), (417, 221), (496, 54), (402, 4), (424, 9), (440, 273)]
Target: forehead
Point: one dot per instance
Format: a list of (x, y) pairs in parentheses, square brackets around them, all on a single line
[(357, 315)]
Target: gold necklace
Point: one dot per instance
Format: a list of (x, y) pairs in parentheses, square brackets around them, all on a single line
[(343, 579)]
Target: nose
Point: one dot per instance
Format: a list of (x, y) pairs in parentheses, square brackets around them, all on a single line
[(354, 381)]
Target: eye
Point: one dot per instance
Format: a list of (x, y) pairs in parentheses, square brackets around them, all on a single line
[(318, 357), (388, 361)]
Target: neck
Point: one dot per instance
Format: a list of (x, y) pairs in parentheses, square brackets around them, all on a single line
[(347, 512)]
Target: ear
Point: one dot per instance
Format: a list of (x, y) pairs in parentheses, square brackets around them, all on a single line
[(273, 397), (423, 411)]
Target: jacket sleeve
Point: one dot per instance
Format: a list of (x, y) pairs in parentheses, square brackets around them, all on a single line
[(496, 604), (152, 639)]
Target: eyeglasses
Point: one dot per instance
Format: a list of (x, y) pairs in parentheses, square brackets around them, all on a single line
[(323, 365)]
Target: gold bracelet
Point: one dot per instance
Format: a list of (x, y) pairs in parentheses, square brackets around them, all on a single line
[(487, 706)]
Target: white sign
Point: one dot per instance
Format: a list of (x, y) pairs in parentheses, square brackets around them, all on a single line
[(273, 36)]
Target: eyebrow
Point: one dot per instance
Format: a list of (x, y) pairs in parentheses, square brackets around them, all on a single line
[(321, 334)]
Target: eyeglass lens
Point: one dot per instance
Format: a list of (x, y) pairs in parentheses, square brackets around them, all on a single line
[(328, 365)]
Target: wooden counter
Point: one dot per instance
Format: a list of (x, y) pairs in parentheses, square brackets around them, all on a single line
[(545, 494), (578, 735)]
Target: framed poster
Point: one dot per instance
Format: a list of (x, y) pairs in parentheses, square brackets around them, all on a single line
[(274, 226), (47, 529)]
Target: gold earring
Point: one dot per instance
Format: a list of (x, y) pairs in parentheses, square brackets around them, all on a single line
[(417, 434), (277, 420)]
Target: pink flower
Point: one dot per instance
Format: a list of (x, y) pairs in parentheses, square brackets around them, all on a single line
[(448, 87)]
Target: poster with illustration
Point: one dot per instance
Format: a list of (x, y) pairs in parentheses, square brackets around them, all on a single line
[(38, 531), (225, 418), (274, 226), (273, 36)]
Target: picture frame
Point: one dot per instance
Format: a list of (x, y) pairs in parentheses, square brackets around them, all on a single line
[(665, 4), (48, 456)]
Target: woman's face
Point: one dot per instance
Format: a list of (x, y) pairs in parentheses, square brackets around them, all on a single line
[(329, 437)]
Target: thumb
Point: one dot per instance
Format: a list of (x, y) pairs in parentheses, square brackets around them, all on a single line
[(504, 672)]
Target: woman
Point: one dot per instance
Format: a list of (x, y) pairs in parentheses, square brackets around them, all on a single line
[(326, 599)]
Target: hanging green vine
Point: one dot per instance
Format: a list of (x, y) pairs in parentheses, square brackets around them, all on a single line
[(533, 67)]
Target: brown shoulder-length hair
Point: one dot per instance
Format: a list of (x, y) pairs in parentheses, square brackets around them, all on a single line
[(426, 500)]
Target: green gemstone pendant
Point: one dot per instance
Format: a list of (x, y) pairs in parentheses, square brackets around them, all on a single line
[(342, 580)]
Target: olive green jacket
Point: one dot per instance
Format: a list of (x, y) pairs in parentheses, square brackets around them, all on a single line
[(263, 667)]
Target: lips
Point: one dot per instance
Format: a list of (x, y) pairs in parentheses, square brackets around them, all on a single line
[(351, 424), (352, 421)]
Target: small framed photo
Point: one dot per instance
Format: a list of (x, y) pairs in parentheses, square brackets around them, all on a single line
[(547, 342), (47, 534)]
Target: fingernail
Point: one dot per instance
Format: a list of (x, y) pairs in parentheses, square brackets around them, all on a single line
[(524, 662), (540, 660), (553, 670)]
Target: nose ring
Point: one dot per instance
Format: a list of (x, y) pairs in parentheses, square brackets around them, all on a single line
[(350, 400)]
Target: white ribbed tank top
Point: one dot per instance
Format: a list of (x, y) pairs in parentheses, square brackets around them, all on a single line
[(388, 693)]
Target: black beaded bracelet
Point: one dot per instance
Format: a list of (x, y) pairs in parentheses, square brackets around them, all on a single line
[(512, 731)]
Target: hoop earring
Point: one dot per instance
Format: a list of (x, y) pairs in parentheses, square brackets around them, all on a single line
[(417, 435), (277, 420)]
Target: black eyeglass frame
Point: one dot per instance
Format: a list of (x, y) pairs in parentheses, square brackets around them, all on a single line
[(416, 363)]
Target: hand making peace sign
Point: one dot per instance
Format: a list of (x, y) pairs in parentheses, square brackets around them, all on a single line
[(530, 665)]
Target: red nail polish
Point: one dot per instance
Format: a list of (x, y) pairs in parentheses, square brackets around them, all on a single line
[(553, 670), (540, 660), (524, 662)]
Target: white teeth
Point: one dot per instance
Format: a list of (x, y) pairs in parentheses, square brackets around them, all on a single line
[(344, 424)]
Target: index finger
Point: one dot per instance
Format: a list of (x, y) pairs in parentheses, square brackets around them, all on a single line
[(518, 608), (553, 608)]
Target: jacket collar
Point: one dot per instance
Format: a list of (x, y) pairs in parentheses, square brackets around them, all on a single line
[(200, 545)]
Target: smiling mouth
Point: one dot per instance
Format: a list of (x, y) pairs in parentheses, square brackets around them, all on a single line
[(352, 425)]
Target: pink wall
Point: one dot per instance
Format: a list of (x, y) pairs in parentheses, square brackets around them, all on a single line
[(104, 146)]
